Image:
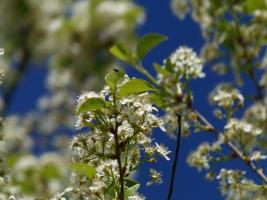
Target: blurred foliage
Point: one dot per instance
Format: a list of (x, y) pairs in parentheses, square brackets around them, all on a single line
[(73, 38)]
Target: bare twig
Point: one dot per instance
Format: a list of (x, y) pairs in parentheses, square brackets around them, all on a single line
[(251, 165), (178, 141)]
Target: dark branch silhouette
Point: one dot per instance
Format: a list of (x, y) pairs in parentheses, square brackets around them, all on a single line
[(178, 141)]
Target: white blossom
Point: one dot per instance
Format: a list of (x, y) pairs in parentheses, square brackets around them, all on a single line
[(162, 150), (187, 63)]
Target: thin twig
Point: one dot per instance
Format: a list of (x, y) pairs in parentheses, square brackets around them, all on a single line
[(252, 166), (118, 157), (178, 142)]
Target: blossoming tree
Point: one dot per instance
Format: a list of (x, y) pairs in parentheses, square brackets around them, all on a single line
[(115, 125)]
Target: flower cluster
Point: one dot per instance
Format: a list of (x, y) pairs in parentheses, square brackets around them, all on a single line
[(242, 133), (85, 28), (85, 45), (225, 96), (225, 31), (180, 7), (120, 128), (234, 185), (245, 137), (34, 176), (234, 35), (203, 155), (174, 78), (186, 63)]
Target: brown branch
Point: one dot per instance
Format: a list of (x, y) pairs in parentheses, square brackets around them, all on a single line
[(250, 164), (178, 142), (118, 157)]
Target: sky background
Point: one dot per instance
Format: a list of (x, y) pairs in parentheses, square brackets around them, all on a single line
[(189, 184)]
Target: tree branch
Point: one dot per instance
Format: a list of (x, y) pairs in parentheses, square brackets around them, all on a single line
[(250, 164), (118, 157), (178, 142)]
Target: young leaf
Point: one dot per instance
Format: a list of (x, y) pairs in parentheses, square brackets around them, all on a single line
[(111, 191), (160, 70), (134, 86), (114, 77), (91, 104), (130, 182), (132, 188), (253, 5), (84, 170), (169, 65), (121, 52), (147, 43), (157, 99)]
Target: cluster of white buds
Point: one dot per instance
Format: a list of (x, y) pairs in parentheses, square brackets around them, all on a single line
[(235, 128), (242, 133), (180, 8), (31, 175), (234, 185), (182, 66), (225, 96), (120, 128), (203, 155), (186, 63)]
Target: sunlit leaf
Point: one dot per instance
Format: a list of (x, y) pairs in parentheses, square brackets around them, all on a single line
[(121, 52), (147, 43), (156, 99), (134, 86), (253, 5), (91, 104), (161, 70), (132, 188), (169, 65), (84, 170), (114, 77)]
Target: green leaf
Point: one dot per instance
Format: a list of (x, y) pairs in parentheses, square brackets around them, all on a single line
[(169, 65), (114, 77), (50, 172), (161, 70), (111, 191), (84, 170), (157, 99), (253, 5), (147, 43), (132, 188), (134, 86), (130, 182), (91, 104), (121, 52)]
